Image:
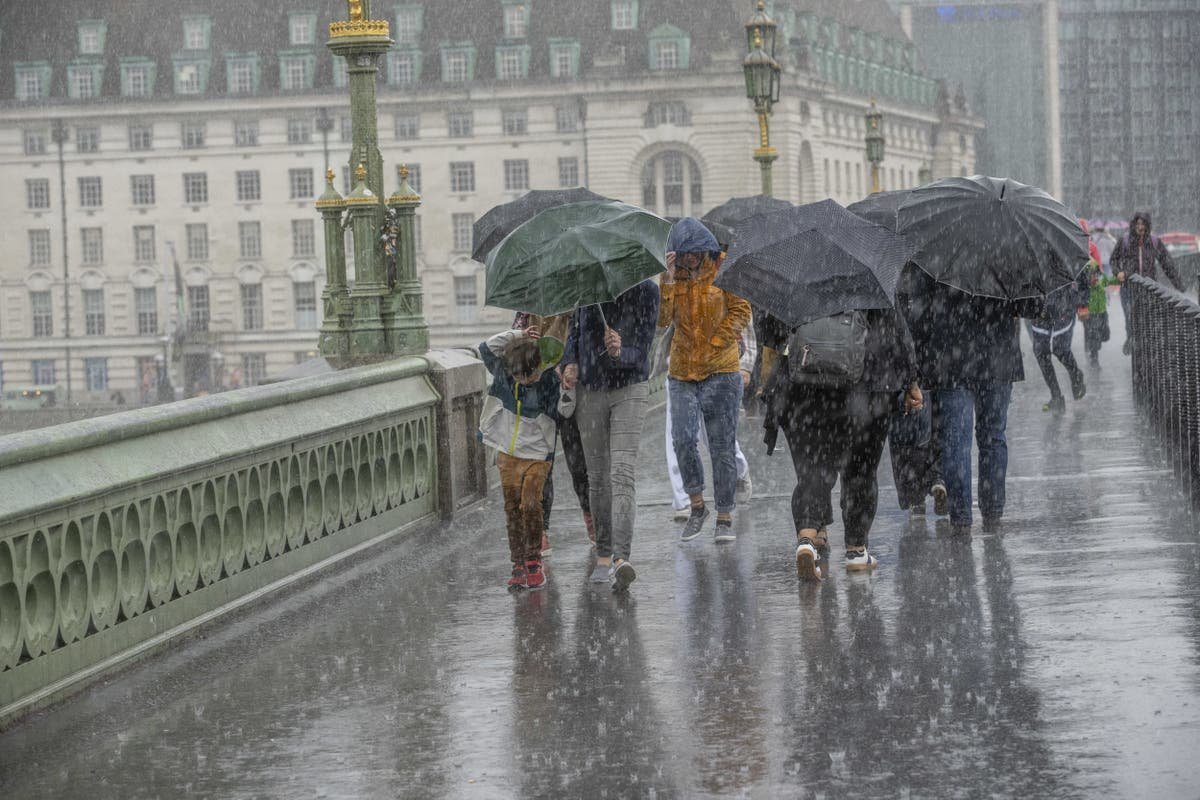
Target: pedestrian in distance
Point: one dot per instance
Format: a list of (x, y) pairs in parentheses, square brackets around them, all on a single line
[(606, 366), (705, 381), (1052, 333), (1140, 253), (1095, 315), (836, 422), (518, 422)]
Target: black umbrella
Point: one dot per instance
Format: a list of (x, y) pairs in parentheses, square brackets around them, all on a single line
[(723, 233), (993, 237), (733, 211), (490, 229), (813, 261), (880, 207)]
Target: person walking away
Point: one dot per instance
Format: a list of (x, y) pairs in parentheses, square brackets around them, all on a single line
[(836, 427), (1095, 315), (1140, 253), (968, 357), (607, 366), (518, 422), (705, 381), (1052, 333)]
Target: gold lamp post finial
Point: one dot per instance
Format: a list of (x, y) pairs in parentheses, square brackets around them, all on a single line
[(329, 176), (762, 6), (356, 10), (404, 172), (360, 173)]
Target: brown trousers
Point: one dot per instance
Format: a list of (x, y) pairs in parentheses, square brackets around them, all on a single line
[(522, 480)]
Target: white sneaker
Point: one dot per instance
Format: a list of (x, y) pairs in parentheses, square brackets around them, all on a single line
[(745, 489), (860, 561), (682, 514), (807, 561)]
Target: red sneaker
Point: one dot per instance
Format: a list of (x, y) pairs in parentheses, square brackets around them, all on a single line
[(519, 579), (535, 575)]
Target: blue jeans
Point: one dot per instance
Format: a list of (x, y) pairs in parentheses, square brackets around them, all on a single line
[(984, 408), (716, 399)]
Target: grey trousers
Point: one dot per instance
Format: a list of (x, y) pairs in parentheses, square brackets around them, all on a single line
[(610, 425)]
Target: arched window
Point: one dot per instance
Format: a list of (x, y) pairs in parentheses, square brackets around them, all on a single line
[(671, 185)]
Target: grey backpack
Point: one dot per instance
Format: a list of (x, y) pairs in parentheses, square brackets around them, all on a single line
[(830, 351)]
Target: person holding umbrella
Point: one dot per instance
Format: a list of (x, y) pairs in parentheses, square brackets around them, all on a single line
[(705, 381)]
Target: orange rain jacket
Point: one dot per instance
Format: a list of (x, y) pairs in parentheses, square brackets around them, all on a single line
[(708, 322)]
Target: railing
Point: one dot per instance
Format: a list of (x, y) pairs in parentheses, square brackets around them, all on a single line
[(1165, 330)]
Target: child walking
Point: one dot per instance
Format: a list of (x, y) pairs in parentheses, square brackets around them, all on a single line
[(518, 421)]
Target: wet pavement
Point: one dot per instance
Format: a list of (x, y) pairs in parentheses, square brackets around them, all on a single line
[(1058, 657)]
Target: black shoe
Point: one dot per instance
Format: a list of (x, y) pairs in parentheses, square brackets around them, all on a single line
[(695, 524), (1078, 388), (1057, 405), (1127, 348)]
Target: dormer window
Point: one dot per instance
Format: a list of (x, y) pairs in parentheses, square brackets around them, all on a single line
[(195, 33), (624, 15), (302, 29), (33, 80), (410, 21), (91, 37), (516, 20), (669, 48)]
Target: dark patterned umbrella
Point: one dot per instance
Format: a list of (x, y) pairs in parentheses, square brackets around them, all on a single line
[(490, 229), (737, 209), (880, 207)]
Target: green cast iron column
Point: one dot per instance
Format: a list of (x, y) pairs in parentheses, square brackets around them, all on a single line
[(335, 299), (407, 332)]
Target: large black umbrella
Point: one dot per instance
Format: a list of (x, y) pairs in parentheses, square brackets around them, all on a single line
[(490, 229), (993, 237), (737, 209), (813, 261), (880, 207)]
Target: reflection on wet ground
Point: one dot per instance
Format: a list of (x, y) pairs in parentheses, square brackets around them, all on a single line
[(1058, 657)]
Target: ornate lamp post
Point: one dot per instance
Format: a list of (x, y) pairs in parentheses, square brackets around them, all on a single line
[(762, 73), (324, 125), (58, 133), (875, 143)]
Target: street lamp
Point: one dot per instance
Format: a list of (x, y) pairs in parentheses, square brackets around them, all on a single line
[(875, 143), (58, 133), (762, 73), (324, 125), (218, 372), (166, 393)]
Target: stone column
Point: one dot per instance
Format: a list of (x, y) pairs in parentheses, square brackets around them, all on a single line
[(366, 333), (408, 334), (335, 299)]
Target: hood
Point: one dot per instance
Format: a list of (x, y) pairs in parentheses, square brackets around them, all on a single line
[(690, 236), (1145, 217)]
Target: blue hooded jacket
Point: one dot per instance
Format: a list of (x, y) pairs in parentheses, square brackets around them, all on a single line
[(690, 236)]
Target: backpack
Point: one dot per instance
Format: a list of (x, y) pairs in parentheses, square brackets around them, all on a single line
[(830, 351)]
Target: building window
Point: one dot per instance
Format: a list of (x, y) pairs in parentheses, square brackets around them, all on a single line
[(669, 48), (87, 140), (195, 188), (91, 37), (516, 175), (516, 20), (145, 303), (39, 248), (306, 305), (195, 33), (197, 298), (624, 15), (295, 72), (461, 225), (341, 72), (92, 241), (414, 176), (667, 113), (516, 122), (37, 193), (33, 82), (408, 126), (302, 28), (93, 312), (254, 368), (141, 137), (141, 187), (564, 58), (458, 63), (249, 186), (137, 80), (43, 371), (35, 143), (466, 299), (192, 135), (460, 124), (566, 119), (304, 241), (189, 78), (90, 193), (462, 176), (197, 241), (250, 239), (240, 76), (299, 131), (81, 82), (404, 67), (666, 55), (671, 185), (95, 374), (300, 183), (568, 172), (143, 244), (512, 62), (252, 307), (245, 133), (410, 21), (43, 316)]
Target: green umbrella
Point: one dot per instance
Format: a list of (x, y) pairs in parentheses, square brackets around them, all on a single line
[(575, 255)]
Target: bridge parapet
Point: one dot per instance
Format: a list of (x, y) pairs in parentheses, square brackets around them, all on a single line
[(120, 533)]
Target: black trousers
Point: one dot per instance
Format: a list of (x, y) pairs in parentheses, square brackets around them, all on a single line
[(1058, 345), (1095, 332), (572, 445), (836, 433)]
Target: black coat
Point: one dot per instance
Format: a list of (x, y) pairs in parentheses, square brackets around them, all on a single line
[(1142, 256)]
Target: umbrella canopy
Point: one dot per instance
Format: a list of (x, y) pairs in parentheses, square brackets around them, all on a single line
[(492, 227), (576, 255), (813, 261), (733, 211), (880, 207), (993, 237)]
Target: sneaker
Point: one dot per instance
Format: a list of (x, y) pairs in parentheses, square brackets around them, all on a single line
[(535, 574), (545, 543), (601, 573), (1079, 389), (623, 575), (860, 561), (1127, 349), (1057, 405), (744, 491), (519, 579), (682, 514), (941, 499), (807, 561), (724, 531), (696, 519), (590, 526)]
